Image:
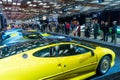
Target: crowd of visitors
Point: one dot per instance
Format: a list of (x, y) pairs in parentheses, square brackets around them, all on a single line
[(94, 29)]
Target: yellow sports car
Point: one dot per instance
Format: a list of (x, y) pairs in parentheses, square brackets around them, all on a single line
[(54, 60)]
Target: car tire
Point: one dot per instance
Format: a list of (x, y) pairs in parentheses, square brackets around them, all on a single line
[(104, 65)]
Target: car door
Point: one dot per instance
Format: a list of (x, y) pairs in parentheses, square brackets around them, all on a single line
[(30, 65), (47, 65), (74, 62)]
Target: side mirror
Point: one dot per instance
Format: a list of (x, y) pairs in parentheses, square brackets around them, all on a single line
[(92, 53)]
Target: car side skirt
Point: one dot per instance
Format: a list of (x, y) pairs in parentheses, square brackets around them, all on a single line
[(82, 77)]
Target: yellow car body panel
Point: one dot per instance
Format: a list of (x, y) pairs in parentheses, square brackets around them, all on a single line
[(100, 52), (77, 64), (45, 34), (13, 35), (81, 66), (28, 69)]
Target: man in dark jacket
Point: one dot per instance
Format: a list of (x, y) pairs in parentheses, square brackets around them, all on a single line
[(87, 31), (114, 32), (96, 28), (102, 29), (105, 32)]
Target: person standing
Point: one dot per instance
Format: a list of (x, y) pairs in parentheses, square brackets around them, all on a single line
[(42, 27), (96, 28), (68, 28), (49, 26), (101, 29), (78, 30), (63, 28), (114, 32), (87, 31), (105, 32), (0, 35)]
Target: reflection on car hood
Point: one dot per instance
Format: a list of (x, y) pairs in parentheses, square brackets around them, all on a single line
[(55, 37), (11, 33), (13, 40)]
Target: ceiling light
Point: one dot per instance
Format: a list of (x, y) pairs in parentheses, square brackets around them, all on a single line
[(41, 4), (18, 3), (20, 9), (55, 5), (9, 8), (46, 6), (68, 4), (28, 2), (34, 5), (0, 2), (23, 9), (94, 1), (6, 8), (14, 3), (30, 5), (43, 10), (64, 4), (44, 17)]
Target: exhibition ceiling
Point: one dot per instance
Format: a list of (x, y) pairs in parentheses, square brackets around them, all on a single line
[(25, 9)]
